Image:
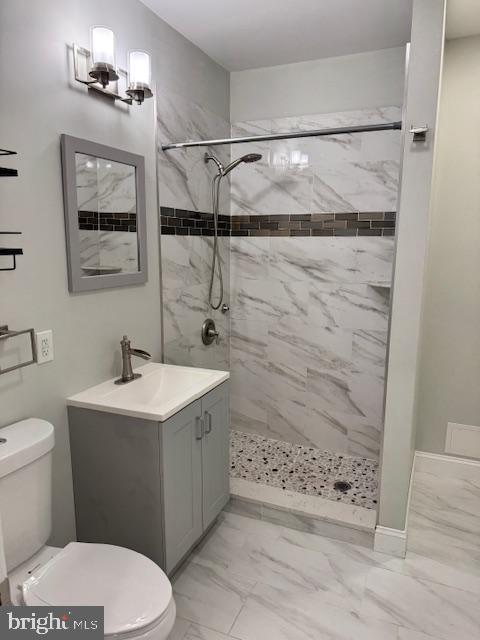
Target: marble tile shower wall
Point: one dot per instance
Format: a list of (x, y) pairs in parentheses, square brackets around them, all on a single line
[(346, 173), (309, 320), (309, 315), (184, 183)]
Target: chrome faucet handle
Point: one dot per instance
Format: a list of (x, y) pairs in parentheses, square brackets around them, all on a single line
[(127, 353)]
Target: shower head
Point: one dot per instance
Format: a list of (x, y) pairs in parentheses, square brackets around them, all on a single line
[(249, 157)]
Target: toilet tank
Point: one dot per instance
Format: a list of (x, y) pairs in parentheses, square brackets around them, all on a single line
[(25, 488)]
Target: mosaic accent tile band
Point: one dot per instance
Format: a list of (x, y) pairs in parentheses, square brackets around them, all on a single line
[(184, 222), (107, 221), (303, 469)]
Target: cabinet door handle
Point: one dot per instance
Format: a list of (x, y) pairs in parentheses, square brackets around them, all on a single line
[(208, 422), (199, 426)]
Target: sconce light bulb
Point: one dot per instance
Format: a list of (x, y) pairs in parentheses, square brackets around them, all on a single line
[(139, 76), (103, 55)]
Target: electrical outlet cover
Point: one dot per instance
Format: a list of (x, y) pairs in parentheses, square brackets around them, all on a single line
[(44, 346)]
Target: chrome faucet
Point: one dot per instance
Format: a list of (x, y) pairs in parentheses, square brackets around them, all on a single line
[(127, 353)]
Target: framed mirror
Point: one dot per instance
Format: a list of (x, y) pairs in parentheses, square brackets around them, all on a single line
[(105, 220)]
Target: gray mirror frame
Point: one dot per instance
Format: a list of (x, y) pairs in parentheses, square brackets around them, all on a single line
[(70, 146)]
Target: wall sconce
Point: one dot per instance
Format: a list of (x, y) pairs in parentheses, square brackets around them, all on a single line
[(139, 76), (97, 69)]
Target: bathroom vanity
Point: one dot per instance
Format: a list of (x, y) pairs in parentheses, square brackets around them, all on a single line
[(150, 460)]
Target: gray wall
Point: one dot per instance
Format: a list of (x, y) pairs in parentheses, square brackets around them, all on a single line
[(372, 79), (41, 103), (412, 229), (450, 362)]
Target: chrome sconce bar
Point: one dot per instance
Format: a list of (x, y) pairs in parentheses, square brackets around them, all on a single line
[(81, 52), (96, 69)]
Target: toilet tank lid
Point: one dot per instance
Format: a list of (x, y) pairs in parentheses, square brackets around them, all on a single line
[(23, 442)]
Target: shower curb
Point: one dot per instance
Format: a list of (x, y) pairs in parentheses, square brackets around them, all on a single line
[(311, 514)]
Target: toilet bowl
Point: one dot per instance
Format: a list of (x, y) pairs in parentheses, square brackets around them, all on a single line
[(135, 593)]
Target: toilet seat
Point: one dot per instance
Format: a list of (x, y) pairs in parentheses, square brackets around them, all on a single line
[(134, 591)]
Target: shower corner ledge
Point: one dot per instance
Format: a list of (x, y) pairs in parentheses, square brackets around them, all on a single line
[(312, 514)]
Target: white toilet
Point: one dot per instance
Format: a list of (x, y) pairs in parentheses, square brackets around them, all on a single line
[(135, 593)]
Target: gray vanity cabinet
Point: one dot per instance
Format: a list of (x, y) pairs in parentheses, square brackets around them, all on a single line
[(182, 482), (154, 487), (215, 447)]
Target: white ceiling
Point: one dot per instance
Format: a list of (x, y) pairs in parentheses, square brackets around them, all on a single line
[(463, 18), (246, 34)]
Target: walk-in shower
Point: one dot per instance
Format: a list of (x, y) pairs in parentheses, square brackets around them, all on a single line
[(216, 262), (309, 251)]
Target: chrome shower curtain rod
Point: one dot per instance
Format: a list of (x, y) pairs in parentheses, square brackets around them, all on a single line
[(390, 126)]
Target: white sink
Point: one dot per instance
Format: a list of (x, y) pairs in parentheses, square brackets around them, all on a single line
[(162, 390)]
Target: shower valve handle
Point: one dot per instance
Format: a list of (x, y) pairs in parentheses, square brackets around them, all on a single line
[(212, 333), (209, 332)]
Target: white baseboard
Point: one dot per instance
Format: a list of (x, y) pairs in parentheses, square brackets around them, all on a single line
[(390, 541), (447, 466), (394, 541)]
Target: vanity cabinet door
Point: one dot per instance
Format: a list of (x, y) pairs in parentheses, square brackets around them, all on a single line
[(182, 482), (215, 453)]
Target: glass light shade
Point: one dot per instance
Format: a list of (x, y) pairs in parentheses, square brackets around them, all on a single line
[(139, 72), (102, 46)]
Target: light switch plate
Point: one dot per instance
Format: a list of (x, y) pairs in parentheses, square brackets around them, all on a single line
[(44, 346)]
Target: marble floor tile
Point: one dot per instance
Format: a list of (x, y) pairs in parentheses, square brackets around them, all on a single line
[(270, 612), (414, 565), (421, 605), (185, 630), (285, 566), (409, 634), (196, 632), (425, 568), (180, 629), (251, 579), (444, 523), (210, 596)]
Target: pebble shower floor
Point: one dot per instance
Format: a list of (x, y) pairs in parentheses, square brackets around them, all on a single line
[(303, 469)]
